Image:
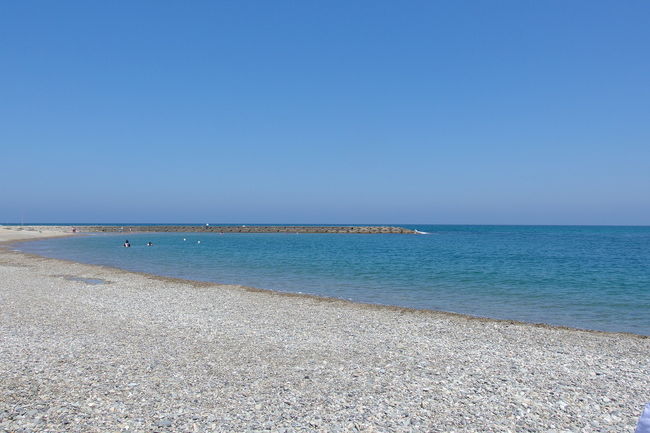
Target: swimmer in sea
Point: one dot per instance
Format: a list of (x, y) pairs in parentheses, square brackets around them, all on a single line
[(149, 244), (126, 244)]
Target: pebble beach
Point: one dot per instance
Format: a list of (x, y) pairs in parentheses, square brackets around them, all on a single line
[(87, 348)]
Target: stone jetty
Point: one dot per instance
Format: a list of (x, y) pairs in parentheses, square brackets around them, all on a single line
[(250, 229)]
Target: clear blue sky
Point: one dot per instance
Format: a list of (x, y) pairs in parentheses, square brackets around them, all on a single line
[(524, 112)]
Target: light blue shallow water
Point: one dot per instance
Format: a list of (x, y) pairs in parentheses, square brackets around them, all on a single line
[(587, 277)]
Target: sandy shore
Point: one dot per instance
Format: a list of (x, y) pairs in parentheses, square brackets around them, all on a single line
[(145, 353), (25, 233)]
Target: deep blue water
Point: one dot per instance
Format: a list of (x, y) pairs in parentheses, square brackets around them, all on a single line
[(586, 277)]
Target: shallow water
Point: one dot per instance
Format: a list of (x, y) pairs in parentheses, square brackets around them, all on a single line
[(587, 277), (91, 281)]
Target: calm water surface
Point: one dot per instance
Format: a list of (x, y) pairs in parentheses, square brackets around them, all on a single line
[(587, 277)]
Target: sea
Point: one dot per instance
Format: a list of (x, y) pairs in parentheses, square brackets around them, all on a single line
[(591, 277)]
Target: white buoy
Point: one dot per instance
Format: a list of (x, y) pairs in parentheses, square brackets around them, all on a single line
[(198, 242), (184, 239)]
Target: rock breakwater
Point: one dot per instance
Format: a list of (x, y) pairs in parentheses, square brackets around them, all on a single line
[(251, 229)]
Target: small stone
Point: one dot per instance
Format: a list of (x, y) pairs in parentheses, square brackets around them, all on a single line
[(164, 423)]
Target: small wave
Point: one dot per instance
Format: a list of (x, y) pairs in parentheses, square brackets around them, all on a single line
[(418, 232)]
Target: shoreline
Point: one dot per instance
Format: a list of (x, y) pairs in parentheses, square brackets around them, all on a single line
[(140, 352), (327, 299)]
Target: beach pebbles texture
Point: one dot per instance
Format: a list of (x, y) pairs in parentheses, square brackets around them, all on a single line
[(138, 353)]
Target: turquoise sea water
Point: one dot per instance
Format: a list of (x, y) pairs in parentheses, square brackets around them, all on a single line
[(586, 277)]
